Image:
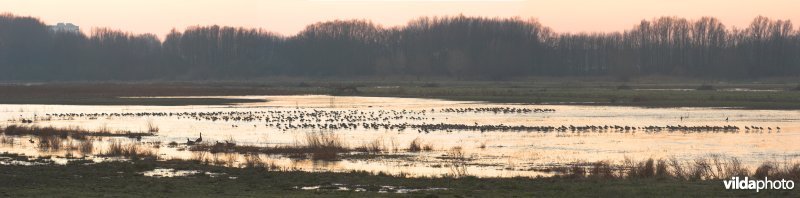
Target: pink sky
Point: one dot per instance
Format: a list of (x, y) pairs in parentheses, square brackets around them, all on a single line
[(287, 17)]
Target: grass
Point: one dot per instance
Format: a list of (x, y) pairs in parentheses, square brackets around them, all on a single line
[(200, 157), (705, 87), (50, 143), (416, 145), (647, 92), (604, 96), (121, 93), (152, 127), (6, 140), (458, 162), (64, 132), (711, 168), (124, 179), (375, 146), (316, 145), (128, 150), (323, 146), (254, 161), (86, 146)]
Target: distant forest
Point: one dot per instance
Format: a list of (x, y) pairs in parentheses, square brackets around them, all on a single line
[(456, 47)]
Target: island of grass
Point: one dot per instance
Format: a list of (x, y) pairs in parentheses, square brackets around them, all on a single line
[(776, 94)]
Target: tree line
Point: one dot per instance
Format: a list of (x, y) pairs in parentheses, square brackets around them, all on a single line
[(453, 47)]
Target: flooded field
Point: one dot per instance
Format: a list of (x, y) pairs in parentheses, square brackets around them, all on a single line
[(410, 137)]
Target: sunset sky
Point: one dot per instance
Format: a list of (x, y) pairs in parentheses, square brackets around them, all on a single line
[(287, 17)]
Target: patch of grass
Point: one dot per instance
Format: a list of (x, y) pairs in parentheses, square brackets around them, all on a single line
[(624, 87), (50, 143), (317, 145), (648, 92), (152, 127), (125, 179), (6, 140), (324, 146), (64, 132), (200, 157), (458, 162), (254, 161), (706, 87), (711, 168), (86, 146), (375, 146), (128, 150), (416, 145)]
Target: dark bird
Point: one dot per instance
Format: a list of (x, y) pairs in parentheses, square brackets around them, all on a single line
[(200, 139)]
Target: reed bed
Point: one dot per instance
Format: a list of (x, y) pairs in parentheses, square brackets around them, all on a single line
[(128, 150), (457, 162), (200, 157), (253, 161), (64, 132), (86, 146), (5, 140), (710, 168), (152, 127), (319, 146), (375, 146), (50, 143), (416, 145)]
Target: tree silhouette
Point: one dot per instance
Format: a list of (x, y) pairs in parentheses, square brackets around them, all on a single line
[(457, 47)]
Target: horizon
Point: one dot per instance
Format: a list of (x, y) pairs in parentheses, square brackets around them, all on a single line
[(290, 17)]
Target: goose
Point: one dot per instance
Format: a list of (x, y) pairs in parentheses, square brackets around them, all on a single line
[(200, 139), (189, 142)]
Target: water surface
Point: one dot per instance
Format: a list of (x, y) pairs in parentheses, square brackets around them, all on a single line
[(488, 153)]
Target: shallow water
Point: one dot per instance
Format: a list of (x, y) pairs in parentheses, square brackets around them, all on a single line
[(488, 154)]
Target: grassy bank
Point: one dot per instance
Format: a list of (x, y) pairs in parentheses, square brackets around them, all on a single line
[(125, 179), (755, 95)]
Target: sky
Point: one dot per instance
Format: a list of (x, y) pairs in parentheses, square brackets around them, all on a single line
[(288, 17)]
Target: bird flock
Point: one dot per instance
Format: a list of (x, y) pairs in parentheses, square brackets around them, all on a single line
[(400, 120), (496, 110)]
